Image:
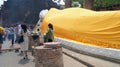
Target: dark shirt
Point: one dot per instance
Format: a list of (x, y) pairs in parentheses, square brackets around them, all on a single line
[(1, 38)]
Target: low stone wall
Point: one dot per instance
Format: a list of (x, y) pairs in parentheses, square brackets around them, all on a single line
[(104, 53)]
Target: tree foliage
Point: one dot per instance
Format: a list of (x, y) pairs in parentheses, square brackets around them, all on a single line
[(101, 3), (26, 11), (105, 3)]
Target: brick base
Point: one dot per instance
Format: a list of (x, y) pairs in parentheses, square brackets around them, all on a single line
[(48, 57)]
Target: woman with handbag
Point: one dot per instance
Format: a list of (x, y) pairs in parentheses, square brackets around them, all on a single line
[(24, 44)]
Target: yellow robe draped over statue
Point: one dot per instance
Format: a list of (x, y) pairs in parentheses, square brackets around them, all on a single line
[(97, 28)]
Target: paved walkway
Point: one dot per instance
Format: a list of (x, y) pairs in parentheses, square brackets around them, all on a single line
[(12, 59)]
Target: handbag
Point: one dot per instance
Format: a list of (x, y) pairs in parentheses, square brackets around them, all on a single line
[(21, 39)]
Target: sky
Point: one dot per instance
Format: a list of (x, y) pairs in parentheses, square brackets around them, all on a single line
[(1, 2)]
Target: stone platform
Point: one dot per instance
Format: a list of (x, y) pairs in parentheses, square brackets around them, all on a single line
[(104, 53)]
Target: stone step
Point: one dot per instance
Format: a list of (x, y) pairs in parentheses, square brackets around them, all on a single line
[(90, 61), (16, 46)]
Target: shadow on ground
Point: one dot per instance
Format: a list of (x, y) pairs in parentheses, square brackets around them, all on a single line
[(24, 61), (20, 54)]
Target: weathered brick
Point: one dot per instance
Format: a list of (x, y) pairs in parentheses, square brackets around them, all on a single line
[(49, 57)]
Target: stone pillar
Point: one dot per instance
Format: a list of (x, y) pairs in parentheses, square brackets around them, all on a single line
[(88, 4), (68, 3), (49, 55), (31, 43)]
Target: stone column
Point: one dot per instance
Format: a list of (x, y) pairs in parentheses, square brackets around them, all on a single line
[(49, 55), (88, 4), (68, 3), (31, 43)]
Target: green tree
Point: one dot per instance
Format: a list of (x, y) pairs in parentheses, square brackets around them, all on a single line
[(105, 3), (85, 3), (99, 3)]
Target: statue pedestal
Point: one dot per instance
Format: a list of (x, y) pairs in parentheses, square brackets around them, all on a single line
[(49, 55)]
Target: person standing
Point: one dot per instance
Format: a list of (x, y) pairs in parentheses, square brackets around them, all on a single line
[(16, 33), (1, 37), (24, 44), (12, 35), (49, 37)]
